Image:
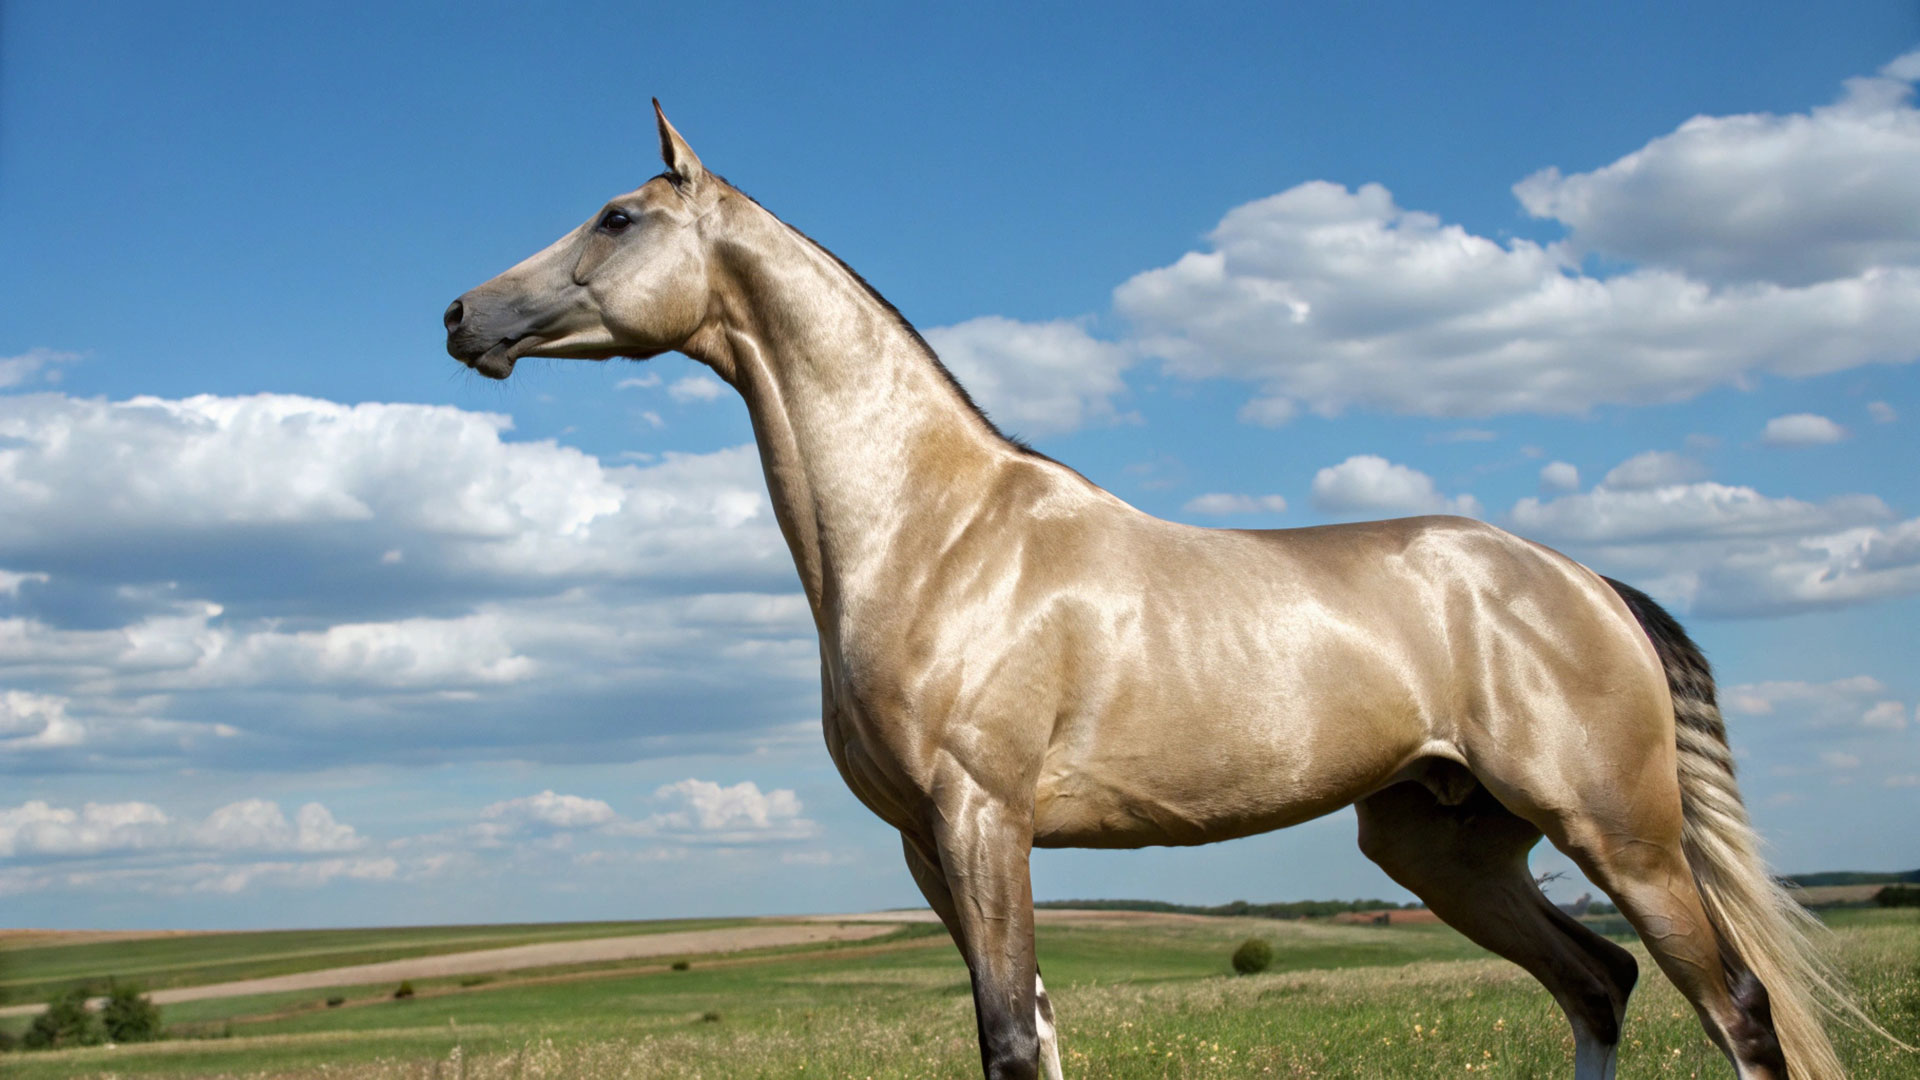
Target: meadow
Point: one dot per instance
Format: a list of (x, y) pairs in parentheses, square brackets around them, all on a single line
[(1139, 998)]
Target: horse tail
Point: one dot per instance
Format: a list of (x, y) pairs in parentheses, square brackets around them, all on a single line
[(1765, 935)]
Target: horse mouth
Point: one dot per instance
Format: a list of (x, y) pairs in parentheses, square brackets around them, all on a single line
[(497, 362)]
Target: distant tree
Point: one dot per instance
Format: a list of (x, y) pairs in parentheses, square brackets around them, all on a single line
[(130, 1016), (66, 1022), (1253, 955), (404, 990), (1898, 896)]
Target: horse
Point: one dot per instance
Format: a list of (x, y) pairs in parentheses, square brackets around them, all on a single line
[(1012, 657)]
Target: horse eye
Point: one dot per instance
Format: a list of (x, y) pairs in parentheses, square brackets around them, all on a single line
[(615, 221)]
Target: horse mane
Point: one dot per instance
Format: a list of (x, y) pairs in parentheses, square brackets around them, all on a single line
[(913, 332)]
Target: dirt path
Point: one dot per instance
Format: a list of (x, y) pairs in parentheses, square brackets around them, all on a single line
[(522, 957)]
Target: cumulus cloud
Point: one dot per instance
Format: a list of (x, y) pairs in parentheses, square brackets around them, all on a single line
[(43, 364), (1724, 549), (371, 576), (1559, 476), (84, 473), (1367, 483), (741, 808), (1331, 298), (695, 388), (1687, 511), (1653, 469), (36, 828), (1222, 504), (1801, 429), (1857, 702), (552, 811), (1794, 199), (690, 811), (1040, 378)]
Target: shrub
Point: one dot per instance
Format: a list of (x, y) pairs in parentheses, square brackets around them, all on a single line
[(1898, 896), (66, 1022), (336, 1001), (404, 990), (710, 1017), (682, 965), (1252, 956), (130, 1016)]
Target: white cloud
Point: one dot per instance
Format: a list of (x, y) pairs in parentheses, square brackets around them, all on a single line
[(1725, 550), (249, 544), (696, 388), (1372, 484), (88, 472), (42, 363), (1653, 469), (1689, 511), (1801, 429), (1790, 199), (553, 811), (1269, 412), (1882, 412), (1855, 702), (1335, 298), (1034, 378), (1888, 715), (738, 810), (29, 721), (10, 582), (37, 828), (690, 811), (1221, 504), (1559, 476), (644, 381), (259, 825)]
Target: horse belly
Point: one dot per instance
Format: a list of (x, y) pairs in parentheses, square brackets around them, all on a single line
[(1195, 783)]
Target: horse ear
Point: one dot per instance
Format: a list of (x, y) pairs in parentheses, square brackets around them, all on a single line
[(674, 150)]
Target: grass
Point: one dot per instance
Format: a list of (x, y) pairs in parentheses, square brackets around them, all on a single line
[(38, 972), (1133, 1002)]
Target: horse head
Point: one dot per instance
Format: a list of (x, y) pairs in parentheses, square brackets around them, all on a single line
[(631, 281)]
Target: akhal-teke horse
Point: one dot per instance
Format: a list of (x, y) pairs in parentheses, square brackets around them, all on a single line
[(1012, 657)]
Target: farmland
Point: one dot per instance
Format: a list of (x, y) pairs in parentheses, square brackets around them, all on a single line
[(1137, 995)]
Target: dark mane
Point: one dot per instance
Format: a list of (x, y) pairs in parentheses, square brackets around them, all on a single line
[(912, 331)]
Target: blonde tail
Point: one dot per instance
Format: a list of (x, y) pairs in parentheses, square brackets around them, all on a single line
[(1765, 935)]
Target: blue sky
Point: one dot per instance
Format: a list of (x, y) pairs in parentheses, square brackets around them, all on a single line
[(301, 623)]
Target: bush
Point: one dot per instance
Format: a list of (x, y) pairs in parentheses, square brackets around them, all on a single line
[(404, 990), (130, 1016), (682, 965), (1898, 896), (67, 1022), (710, 1017), (1253, 955), (336, 1001)]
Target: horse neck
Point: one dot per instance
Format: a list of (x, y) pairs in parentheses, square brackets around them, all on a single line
[(863, 437)]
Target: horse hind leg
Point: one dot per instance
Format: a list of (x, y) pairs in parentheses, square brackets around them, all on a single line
[(1636, 857), (1465, 856)]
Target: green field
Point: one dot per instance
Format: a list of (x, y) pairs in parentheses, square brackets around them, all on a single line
[(35, 973), (1138, 1000)]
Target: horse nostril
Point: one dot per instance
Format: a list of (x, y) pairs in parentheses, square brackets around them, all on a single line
[(455, 312)]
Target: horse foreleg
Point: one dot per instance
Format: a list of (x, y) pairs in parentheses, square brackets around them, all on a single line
[(973, 871)]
